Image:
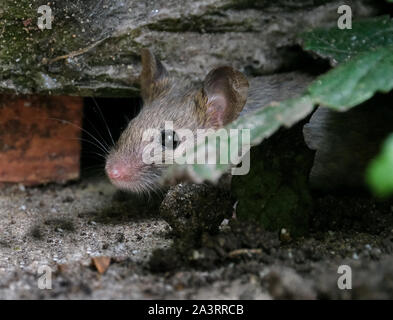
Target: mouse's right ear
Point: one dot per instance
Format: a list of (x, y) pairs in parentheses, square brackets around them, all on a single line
[(154, 77), (222, 97)]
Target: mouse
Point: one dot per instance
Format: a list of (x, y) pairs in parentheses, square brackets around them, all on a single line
[(212, 104)]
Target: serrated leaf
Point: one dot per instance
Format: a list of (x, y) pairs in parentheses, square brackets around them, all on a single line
[(265, 121), (341, 45), (355, 81)]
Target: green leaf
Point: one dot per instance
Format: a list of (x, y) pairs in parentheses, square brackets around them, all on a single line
[(380, 172), (341, 45), (265, 121), (356, 81)]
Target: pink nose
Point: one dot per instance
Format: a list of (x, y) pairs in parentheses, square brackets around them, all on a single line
[(116, 173)]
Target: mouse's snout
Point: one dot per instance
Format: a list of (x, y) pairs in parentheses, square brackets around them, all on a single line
[(116, 172), (123, 174), (120, 171), (116, 169)]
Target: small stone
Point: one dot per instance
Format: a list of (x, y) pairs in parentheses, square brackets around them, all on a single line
[(194, 209), (285, 236)]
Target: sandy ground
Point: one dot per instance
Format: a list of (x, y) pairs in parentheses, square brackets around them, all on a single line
[(63, 227), (57, 225)]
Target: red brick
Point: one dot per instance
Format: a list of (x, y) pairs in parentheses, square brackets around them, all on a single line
[(34, 147)]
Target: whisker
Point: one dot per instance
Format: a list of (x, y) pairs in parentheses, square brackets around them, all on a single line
[(103, 118), (87, 132), (88, 141), (95, 153), (98, 132), (99, 145)]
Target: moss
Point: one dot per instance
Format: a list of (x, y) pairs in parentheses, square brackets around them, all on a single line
[(24, 46), (275, 193), (26, 51)]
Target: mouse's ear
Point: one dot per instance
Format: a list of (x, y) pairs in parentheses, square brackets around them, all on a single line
[(223, 96), (154, 77)]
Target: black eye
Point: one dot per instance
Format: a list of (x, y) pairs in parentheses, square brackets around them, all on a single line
[(169, 139)]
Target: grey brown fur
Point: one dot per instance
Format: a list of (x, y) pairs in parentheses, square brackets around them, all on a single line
[(218, 101)]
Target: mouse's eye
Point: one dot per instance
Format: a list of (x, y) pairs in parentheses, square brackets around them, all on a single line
[(169, 139)]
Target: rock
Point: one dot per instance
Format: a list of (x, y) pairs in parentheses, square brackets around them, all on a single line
[(93, 47), (191, 209)]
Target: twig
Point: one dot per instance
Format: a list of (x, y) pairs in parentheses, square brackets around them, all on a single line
[(75, 53), (240, 252)]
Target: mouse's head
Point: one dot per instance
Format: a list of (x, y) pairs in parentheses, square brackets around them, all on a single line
[(214, 104)]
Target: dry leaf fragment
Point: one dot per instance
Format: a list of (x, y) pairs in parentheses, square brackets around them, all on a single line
[(101, 263)]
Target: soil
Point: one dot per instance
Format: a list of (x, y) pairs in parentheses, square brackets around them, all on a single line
[(64, 227)]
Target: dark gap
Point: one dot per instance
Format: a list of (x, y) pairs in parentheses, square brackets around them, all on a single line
[(296, 59), (116, 112), (305, 61)]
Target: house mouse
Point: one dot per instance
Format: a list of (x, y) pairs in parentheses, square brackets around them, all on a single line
[(218, 101)]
